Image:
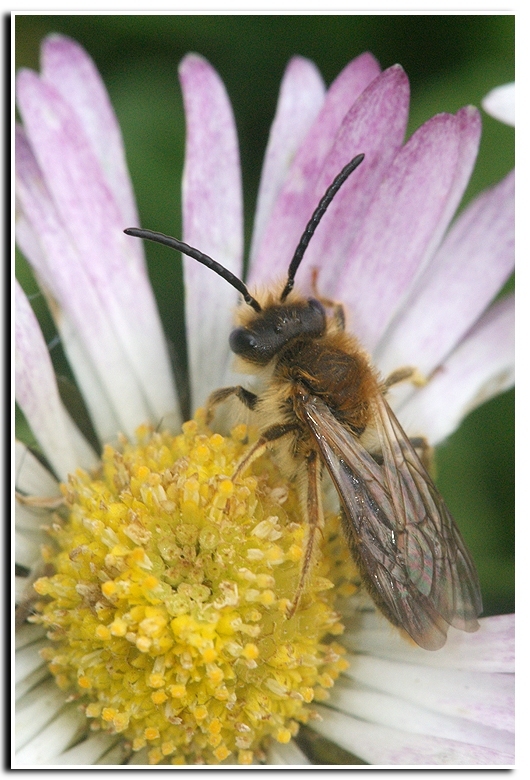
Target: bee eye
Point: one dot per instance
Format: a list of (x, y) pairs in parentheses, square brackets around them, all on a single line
[(242, 341)]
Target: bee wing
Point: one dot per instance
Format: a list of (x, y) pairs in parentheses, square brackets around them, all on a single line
[(399, 530)]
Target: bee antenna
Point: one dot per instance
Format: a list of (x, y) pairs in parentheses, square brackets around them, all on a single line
[(190, 251), (318, 213)]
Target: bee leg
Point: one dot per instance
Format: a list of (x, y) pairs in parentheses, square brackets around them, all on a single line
[(247, 398), (315, 521), (405, 374), (338, 308), (263, 443), (40, 502), (424, 452)]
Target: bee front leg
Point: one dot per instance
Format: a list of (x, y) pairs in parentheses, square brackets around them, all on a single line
[(338, 309), (216, 398)]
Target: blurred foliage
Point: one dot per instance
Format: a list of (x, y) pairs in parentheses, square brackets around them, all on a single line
[(451, 60)]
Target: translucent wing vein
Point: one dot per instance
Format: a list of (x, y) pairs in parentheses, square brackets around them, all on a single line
[(400, 532)]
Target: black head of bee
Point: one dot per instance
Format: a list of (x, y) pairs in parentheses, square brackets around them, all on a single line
[(275, 327)]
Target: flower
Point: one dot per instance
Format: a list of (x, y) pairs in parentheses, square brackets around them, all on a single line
[(419, 290), (500, 103)]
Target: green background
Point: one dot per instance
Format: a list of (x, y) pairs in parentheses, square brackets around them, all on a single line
[(451, 61)]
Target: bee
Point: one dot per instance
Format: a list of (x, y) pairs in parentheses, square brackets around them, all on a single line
[(324, 407)]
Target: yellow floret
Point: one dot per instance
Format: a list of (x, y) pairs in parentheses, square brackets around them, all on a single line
[(168, 607)]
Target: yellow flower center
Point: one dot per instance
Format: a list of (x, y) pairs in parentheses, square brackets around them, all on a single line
[(168, 606)]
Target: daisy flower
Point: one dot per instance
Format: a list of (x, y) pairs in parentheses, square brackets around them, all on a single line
[(152, 590)]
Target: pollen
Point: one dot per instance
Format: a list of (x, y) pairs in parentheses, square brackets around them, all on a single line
[(168, 608)]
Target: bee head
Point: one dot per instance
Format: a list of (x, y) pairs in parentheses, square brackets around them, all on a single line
[(274, 327), (271, 326)]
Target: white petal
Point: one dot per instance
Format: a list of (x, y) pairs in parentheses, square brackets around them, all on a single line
[(27, 659), (480, 697), (139, 757), (490, 649), (481, 367), (27, 635), (114, 757), (28, 548), (95, 749), (36, 710), (500, 103), (19, 588), (52, 740), (31, 681), (38, 396), (28, 518), (395, 712), (31, 477), (383, 746), (285, 755)]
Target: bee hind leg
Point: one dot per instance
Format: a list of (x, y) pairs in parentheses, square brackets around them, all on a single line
[(424, 451), (315, 522), (40, 502)]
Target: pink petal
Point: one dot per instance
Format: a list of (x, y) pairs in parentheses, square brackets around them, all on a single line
[(212, 221), (302, 93), (103, 418), (67, 66), (375, 126), (38, 396), (407, 220), (89, 212), (481, 367), (299, 195), (113, 396), (473, 262), (383, 746)]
